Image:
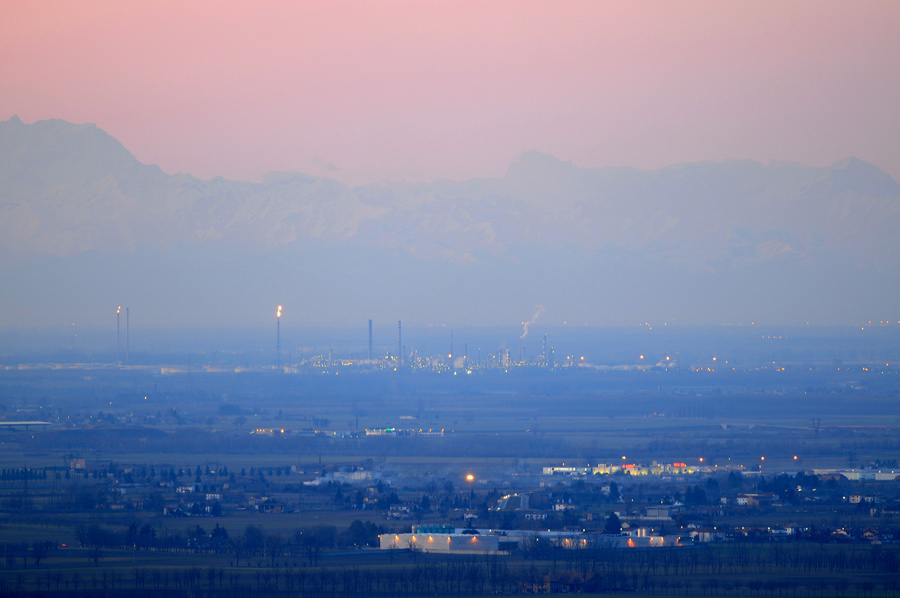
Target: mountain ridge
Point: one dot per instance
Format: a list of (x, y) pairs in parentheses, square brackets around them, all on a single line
[(80, 168), (73, 194)]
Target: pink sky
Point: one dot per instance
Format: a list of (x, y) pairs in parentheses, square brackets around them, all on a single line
[(423, 90)]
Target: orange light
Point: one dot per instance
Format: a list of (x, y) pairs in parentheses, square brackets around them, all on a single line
[(470, 478)]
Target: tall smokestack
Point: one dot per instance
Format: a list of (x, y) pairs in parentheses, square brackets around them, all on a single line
[(370, 340), (118, 335), (127, 333), (399, 342), (451, 345), (278, 338)]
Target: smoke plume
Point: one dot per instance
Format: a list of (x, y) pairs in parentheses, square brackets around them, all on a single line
[(534, 318)]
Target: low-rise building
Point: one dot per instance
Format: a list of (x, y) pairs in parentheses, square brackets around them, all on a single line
[(445, 543)]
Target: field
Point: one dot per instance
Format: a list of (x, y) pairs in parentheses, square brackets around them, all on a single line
[(94, 502)]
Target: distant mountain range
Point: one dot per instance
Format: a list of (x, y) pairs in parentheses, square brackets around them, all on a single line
[(72, 194)]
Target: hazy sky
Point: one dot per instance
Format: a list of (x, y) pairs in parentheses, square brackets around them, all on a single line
[(423, 90)]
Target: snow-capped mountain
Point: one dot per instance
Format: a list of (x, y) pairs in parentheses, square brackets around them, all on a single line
[(71, 190)]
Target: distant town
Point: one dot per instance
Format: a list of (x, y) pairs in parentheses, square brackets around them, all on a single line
[(485, 474)]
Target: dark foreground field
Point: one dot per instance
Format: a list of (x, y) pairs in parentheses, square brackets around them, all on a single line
[(746, 569)]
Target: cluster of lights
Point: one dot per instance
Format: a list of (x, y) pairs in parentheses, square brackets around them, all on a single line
[(668, 358)]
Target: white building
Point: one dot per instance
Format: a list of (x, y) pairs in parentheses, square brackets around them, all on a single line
[(446, 543)]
